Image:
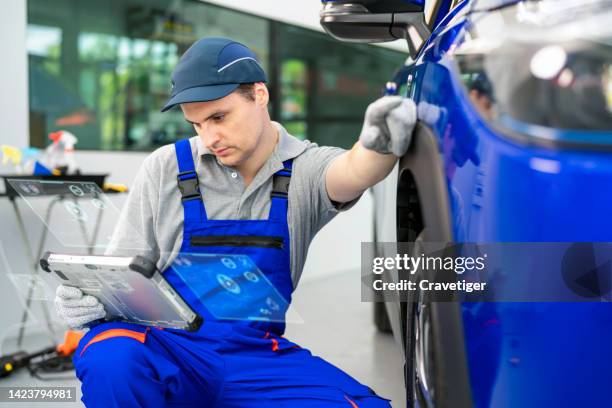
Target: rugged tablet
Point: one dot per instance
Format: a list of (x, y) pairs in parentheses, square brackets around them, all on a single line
[(130, 288)]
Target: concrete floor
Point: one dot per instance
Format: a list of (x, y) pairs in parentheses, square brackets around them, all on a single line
[(337, 326)]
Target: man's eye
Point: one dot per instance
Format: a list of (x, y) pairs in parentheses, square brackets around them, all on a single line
[(218, 118)]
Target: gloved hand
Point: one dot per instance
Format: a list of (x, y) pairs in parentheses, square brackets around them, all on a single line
[(75, 308), (388, 125)]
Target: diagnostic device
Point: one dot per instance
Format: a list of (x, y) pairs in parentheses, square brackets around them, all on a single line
[(131, 288)]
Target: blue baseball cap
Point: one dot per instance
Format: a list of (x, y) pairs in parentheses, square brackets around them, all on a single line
[(211, 69)]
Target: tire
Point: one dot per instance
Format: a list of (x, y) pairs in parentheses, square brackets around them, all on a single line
[(438, 374), (418, 351)]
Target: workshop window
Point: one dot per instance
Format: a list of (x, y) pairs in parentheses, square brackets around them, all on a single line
[(101, 70)]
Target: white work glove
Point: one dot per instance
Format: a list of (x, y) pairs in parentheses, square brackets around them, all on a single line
[(429, 113), (388, 125), (76, 309)]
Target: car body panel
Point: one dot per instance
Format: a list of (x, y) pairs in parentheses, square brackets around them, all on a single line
[(504, 190)]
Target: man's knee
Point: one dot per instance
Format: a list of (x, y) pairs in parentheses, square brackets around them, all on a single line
[(120, 371), (110, 360)]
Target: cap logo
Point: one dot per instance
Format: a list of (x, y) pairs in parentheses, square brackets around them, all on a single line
[(235, 61)]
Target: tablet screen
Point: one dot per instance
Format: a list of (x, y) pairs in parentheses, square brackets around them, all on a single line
[(231, 286)]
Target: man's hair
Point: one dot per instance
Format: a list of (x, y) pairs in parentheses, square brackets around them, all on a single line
[(247, 91)]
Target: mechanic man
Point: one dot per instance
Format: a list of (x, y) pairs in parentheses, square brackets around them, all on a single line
[(255, 180)]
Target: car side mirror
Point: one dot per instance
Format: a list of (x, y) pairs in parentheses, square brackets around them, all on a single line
[(376, 21)]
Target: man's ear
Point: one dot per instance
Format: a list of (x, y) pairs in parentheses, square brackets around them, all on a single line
[(262, 96)]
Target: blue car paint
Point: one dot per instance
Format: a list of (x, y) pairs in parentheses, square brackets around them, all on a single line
[(520, 354)]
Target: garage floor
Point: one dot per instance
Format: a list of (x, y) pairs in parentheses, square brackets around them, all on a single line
[(329, 306), (333, 307)]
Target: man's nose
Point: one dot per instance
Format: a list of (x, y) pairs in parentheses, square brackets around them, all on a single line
[(211, 139)]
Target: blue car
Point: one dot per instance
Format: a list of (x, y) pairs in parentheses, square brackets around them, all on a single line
[(513, 145)]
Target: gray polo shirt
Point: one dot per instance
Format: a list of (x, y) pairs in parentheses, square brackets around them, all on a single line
[(152, 217)]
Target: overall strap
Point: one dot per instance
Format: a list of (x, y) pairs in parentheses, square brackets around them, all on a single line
[(280, 192), (188, 183)]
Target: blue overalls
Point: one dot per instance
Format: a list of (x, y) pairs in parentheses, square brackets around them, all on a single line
[(225, 363)]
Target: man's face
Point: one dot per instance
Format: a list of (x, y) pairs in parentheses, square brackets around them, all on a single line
[(230, 127)]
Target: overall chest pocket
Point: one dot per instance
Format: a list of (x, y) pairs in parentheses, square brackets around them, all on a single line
[(261, 241)]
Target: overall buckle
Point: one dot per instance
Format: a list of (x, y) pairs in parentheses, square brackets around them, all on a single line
[(280, 186), (188, 185)]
